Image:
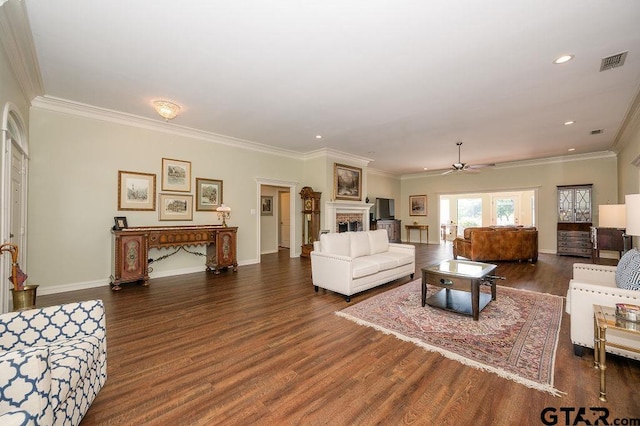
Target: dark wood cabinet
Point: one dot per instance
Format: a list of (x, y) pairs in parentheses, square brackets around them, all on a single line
[(131, 246), (574, 220), (393, 228), (612, 239)]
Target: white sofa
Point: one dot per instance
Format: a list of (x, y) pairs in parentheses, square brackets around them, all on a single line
[(53, 362), (351, 262), (596, 285)]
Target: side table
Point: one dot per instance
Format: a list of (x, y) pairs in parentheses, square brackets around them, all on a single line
[(419, 228), (604, 317)]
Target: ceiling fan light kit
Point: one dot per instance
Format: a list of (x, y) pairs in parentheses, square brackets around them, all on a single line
[(464, 167)]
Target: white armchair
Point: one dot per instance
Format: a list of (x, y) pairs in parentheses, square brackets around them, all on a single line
[(596, 285)]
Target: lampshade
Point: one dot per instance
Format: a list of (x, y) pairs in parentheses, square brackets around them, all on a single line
[(612, 216), (223, 208), (632, 202), (167, 110)]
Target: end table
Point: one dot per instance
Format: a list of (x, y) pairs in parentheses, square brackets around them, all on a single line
[(604, 317)]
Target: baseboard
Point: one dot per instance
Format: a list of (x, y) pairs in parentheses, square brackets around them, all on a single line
[(63, 288)]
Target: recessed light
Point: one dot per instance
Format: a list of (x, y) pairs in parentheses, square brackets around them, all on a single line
[(426, 168), (563, 59), (318, 136), (569, 123), (571, 149)]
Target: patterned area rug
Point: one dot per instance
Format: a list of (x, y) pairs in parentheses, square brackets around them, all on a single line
[(516, 336)]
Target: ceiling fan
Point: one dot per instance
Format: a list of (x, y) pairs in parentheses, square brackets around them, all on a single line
[(464, 167)]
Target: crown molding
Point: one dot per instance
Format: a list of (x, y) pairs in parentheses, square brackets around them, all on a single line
[(17, 41), (89, 111), (526, 163), (632, 118), (337, 155)]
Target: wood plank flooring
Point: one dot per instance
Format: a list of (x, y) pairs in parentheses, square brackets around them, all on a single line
[(259, 346)]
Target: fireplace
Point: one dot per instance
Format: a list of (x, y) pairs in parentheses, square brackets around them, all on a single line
[(347, 216)]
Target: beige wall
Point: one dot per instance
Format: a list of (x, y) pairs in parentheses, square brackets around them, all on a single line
[(542, 178), (73, 193)]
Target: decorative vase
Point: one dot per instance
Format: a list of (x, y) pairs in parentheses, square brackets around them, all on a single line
[(24, 299)]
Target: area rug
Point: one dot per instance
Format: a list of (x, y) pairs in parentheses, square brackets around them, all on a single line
[(516, 336)]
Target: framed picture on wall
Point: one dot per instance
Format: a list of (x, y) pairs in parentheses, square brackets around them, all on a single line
[(136, 191), (208, 194), (417, 205), (347, 182), (176, 207), (176, 175), (266, 205)]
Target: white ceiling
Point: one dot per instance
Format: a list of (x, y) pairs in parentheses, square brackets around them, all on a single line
[(397, 82)]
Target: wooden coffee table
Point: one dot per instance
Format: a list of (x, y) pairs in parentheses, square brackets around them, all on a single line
[(458, 278)]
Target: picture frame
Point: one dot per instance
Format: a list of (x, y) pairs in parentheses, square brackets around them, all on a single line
[(208, 194), (136, 191), (266, 205), (347, 182), (175, 207), (417, 205), (120, 223), (176, 175)]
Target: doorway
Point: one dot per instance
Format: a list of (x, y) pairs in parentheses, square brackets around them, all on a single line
[(15, 166), (284, 221), (268, 226)]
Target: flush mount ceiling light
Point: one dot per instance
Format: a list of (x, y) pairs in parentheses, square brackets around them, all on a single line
[(167, 110), (563, 59)]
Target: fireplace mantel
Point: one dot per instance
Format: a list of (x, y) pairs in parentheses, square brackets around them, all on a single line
[(332, 208)]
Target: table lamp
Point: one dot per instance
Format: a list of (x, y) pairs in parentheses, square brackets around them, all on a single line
[(224, 213), (632, 202), (612, 216)]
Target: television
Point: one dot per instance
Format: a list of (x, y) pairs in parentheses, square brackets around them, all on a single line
[(385, 208)]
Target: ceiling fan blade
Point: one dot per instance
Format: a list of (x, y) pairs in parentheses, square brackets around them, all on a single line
[(447, 172), (481, 166)]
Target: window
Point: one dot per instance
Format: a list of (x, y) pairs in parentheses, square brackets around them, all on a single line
[(469, 213)]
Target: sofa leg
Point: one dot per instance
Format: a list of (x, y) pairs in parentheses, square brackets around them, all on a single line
[(578, 350), (315, 288), (348, 299), (411, 276)]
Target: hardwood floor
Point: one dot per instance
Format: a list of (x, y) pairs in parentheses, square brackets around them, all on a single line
[(259, 346)]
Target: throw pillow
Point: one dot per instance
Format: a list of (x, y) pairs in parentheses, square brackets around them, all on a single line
[(628, 270)]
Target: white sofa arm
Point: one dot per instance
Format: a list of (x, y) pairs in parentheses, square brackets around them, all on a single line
[(402, 248), (25, 379), (594, 274), (332, 272), (581, 297)]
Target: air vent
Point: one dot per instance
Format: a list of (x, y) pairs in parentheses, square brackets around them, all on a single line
[(597, 131), (613, 61)]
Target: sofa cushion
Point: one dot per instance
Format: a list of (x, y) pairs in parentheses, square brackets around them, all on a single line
[(359, 244), (628, 270), (363, 267), (70, 360), (384, 262), (336, 243), (400, 258), (378, 241)]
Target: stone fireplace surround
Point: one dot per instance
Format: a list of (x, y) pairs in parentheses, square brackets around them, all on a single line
[(342, 216)]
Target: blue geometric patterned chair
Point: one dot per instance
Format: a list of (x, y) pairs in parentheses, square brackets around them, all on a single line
[(53, 362)]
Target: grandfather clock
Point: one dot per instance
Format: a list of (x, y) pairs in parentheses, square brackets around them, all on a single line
[(310, 219)]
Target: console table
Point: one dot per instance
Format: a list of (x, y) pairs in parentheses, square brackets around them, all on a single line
[(613, 239), (419, 228), (131, 246)]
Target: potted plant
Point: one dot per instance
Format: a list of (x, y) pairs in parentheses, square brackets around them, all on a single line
[(24, 296)]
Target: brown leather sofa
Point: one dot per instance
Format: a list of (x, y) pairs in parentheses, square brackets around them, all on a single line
[(497, 243)]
